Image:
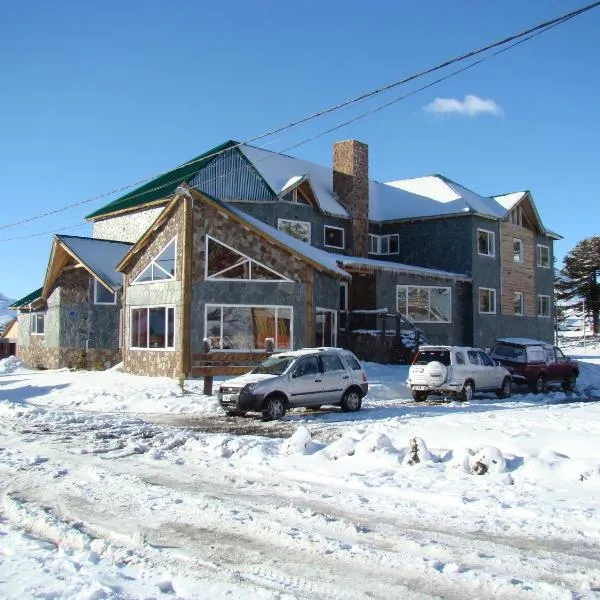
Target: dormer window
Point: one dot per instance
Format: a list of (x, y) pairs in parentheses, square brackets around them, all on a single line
[(296, 196)]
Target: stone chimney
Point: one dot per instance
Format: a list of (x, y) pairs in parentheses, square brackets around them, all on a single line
[(351, 185)]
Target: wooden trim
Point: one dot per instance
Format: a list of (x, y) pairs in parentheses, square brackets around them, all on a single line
[(204, 371), (186, 284), (123, 211), (310, 310)]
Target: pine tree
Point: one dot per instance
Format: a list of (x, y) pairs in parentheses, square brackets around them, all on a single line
[(579, 279)]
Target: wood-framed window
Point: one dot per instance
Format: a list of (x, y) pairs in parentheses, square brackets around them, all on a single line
[(518, 255), (334, 237), (384, 244), (297, 229), (102, 295), (486, 245), (162, 268), (543, 305), (424, 304), (152, 327), (37, 323), (296, 196), (519, 304), (543, 256), (487, 301), (245, 327), (224, 263)]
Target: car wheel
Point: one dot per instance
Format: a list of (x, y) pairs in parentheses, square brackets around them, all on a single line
[(506, 390), (568, 385), (351, 402), (419, 396), (235, 413), (273, 408), (539, 385), (466, 394)]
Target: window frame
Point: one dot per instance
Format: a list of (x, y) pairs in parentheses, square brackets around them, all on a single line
[(344, 295), (539, 256), (378, 242), (35, 323), (539, 306), (170, 277), (326, 245), (522, 303), (251, 350), (96, 302), (280, 221), (491, 312), (428, 288), (492, 246), (148, 308), (520, 259)]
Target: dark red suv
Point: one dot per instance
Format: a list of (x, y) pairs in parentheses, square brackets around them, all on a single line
[(535, 363)]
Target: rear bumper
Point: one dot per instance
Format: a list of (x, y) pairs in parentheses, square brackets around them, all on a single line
[(446, 388)]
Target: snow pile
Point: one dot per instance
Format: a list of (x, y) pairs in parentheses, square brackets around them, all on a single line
[(10, 365)]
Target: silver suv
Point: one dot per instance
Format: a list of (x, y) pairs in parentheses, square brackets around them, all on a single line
[(309, 377), (456, 371)]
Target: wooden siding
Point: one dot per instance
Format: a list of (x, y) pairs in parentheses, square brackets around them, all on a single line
[(517, 276)]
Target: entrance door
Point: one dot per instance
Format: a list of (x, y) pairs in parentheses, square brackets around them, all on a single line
[(325, 327)]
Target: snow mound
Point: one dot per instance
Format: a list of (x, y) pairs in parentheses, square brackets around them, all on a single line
[(417, 452), (488, 459), (300, 442), (345, 446), (9, 365)]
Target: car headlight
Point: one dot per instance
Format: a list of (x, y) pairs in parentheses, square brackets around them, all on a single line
[(248, 388)]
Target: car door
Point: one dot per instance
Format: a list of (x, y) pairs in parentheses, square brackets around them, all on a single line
[(335, 378), (475, 368), (563, 367), (552, 367), (306, 383), (491, 373)]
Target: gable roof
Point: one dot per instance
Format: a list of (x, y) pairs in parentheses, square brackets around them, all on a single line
[(98, 257), (5, 324), (29, 300)]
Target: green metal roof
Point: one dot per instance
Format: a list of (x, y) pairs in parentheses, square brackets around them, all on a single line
[(162, 186), (27, 299)]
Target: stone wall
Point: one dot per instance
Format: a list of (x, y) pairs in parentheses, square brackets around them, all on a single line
[(126, 228)]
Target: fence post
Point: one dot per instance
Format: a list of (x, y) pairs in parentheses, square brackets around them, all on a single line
[(208, 379)]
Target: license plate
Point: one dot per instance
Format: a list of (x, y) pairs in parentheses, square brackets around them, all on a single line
[(230, 398), (419, 388)]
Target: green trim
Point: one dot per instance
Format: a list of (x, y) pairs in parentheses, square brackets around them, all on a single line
[(162, 186), (37, 295)]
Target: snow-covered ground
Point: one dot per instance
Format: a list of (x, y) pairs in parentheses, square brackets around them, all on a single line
[(117, 486)]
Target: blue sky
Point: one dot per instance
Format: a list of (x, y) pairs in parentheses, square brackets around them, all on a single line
[(98, 95)]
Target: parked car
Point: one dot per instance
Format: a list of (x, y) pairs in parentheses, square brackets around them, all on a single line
[(456, 371), (309, 377), (536, 363)]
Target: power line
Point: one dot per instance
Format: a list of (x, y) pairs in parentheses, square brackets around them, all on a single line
[(517, 38)]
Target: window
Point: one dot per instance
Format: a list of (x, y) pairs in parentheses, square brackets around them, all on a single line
[(102, 295), (473, 357), (517, 250), (246, 328), (485, 242), (486, 361), (153, 328), (223, 263), (37, 324), (424, 304), (344, 296), (161, 268), (460, 359), (543, 306), (487, 301), (297, 229), (325, 327), (384, 244), (518, 303), (307, 367), (331, 362), (296, 196), (334, 237), (543, 256)]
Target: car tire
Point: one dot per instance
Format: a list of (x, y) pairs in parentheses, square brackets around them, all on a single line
[(568, 385), (273, 408), (466, 394), (506, 390), (419, 396), (352, 401), (539, 385)]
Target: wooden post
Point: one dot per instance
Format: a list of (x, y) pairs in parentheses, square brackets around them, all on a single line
[(186, 286), (208, 385)]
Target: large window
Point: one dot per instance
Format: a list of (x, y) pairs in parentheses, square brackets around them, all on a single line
[(334, 237), (102, 295), (153, 328), (325, 327), (297, 229), (424, 304), (517, 250), (543, 256), (518, 304), (543, 306), (487, 301), (384, 244), (485, 242), (162, 267), (246, 328), (37, 324)]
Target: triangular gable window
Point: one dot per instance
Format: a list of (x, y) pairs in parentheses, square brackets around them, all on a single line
[(161, 268), (223, 262)]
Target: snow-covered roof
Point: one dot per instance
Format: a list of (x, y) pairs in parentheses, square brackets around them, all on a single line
[(509, 200), (386, 265), (523, 341), (100, 256)]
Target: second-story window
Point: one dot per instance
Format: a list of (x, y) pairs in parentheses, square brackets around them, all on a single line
[(384, 244), (487, 301), (517, 250), (518, 304), (485, 242), (543, 256), (333, 237), (543, 306)]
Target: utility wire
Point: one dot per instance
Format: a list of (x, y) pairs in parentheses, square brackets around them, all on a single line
[(540, 28)]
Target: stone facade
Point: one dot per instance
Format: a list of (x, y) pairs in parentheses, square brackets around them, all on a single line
[(351, 184), (128, 227)]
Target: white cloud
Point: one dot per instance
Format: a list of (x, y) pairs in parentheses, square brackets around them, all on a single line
[(471, 106)]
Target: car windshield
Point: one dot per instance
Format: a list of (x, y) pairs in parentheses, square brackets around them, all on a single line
[(514, 353), (273, 365), (424, 357)]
